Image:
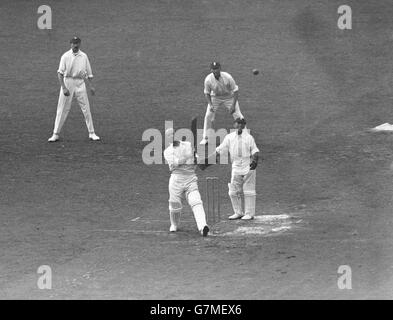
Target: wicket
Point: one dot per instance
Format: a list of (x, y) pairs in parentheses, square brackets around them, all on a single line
[(213, 200)]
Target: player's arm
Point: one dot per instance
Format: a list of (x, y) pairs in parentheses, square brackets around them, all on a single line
[(170, 157), (173, 160), (207, 91), (60, 76), (254, 160), (235, 90), (89, 77), (235, 98), (254, 155), (220, 149), (208, 99)]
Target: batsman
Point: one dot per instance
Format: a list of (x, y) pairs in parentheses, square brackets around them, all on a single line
[(183, 183)]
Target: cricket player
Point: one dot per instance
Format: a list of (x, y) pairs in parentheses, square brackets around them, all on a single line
[(74, 69), (220, 90), (183, 183), (244, 156)]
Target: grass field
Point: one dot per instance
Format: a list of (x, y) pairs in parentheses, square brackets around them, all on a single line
[(98, 215)]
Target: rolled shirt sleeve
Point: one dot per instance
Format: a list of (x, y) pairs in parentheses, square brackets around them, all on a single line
[(207, 88), (253, 146), (62, 65)]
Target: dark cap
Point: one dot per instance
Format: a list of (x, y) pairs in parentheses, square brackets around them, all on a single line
[(240, 121), (75, 40), (215, 65)]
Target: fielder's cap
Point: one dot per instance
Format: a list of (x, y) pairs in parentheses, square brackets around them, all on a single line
[(75, 40), (240, 120), (215, 65)]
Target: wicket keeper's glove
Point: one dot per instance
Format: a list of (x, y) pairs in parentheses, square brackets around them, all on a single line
[(253, 165)]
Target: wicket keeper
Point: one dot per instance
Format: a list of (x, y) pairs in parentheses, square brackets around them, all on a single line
[(244, 155)]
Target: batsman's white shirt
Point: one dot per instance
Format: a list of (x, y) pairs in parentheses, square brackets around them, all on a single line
[(240, 148), (73, 64), (223, 88), (181, 158)]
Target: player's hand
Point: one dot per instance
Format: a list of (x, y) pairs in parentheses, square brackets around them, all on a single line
[(83, 74), (253, 165), (66, 92), (92, 90), (232, 110), (211, 108)]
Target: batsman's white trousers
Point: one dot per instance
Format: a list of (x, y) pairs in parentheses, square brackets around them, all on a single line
[(185, 186), (76, 87), (180, 186), (211, 112)]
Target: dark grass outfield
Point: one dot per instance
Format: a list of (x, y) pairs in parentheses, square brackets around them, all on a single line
[(71, 205)]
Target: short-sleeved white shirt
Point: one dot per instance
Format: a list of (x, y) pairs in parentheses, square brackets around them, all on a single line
[(72, 64), (240, 148), (223, 88), (181, 158)]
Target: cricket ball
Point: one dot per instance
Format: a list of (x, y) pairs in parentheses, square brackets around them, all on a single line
[(255, 71)]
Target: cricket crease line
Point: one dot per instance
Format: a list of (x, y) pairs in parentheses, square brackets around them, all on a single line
[(129, 231)]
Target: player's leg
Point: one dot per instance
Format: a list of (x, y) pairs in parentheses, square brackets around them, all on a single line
[(196, 204), (63, 108), (207, 124), (235, 194), (83, 101), (228, 105), (175, 203), (237, 113), (249, 195)]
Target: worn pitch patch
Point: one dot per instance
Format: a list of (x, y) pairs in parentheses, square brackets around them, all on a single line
[(271, 217), (263, 225)]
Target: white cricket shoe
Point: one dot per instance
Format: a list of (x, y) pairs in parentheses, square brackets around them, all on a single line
[(204, 141), (247, 217), (236, 216), (53, 138), (205, 231), (94, 137), (172, 228)]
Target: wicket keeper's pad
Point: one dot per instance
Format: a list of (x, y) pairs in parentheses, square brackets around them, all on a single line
[(236, 199), (247, 184)]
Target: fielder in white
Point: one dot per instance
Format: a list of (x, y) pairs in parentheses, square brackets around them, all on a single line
[(74, 70), (220, 89), (183, 183), (244, 156)]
